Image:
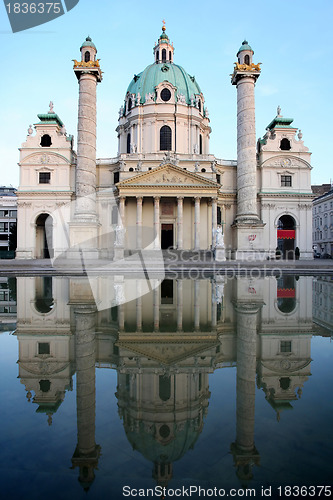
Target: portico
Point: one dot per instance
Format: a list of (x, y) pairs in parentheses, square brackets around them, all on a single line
[(168, 208)]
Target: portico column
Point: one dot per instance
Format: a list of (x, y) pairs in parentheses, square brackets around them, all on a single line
[(180, 222), (214, 221), (197, 223), (179, 305), (139, 222), (157, 242), (121, 216)]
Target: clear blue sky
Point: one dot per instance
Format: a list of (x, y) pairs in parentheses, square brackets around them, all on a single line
[(292, 40)]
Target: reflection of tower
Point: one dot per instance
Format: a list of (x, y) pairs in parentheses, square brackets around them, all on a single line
[(87, 452), (88, 72), (244, 451)]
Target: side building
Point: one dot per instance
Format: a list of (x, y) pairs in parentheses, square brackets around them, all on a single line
[(322, 224), (8, 220)]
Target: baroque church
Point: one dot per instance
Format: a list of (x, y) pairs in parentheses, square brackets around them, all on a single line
[(164, 189)]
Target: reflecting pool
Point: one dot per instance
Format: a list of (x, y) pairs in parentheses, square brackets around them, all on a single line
[(111, 387)]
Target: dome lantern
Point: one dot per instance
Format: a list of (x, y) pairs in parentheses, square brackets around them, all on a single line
[(163, 50)]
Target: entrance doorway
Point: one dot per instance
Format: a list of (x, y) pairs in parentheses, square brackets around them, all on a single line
[(44, 242), (286, 236), (166, 236)]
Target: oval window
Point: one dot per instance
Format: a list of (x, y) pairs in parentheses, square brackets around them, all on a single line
[(165, 95)]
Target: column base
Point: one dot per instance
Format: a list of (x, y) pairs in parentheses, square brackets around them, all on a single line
[(118, 253), (249, 241), (83, 236), (219, 254)]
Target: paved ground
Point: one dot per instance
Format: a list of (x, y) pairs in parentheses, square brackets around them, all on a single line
[(148, 264)]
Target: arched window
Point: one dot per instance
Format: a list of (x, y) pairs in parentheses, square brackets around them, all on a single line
[(203, 170), (285, 144), (247, 59), (164, 387), (163, 55), (200, 144), (128, 147), (170, 55), (129, 106), (165, 138), (131, 169), (87, 56), (45, 141), (199, 105), (157, 55)]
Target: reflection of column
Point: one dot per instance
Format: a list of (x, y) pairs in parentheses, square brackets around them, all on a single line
[(244, 450), (157, 243), (138, 306), (197, 304), (214, 221), (197, 223), (179, 305), (87, 452), (139, 222), (157, 308), (180, 222), (214, 304)]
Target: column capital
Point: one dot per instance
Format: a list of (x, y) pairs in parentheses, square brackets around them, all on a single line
[(139, 198), (197, 199), (180, 198), (157, 198)]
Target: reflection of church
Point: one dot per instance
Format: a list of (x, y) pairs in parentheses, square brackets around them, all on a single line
[(164, 345), (164, 186)]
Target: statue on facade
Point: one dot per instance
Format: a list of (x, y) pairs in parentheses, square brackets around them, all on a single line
[(120, 235), (219, 237), (51, 105)]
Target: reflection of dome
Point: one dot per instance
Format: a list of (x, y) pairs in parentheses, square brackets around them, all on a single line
[(161, 446), (146, 81)]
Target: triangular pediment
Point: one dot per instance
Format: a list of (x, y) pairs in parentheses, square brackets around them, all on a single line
[(166, 176), (168, 353)]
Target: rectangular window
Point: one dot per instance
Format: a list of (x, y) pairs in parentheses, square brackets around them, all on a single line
[(44, 177), (3, 226), (43, 348), (285, 346), (3, 213), (12, 213), (115, 177), (286, 180), (218, 178)]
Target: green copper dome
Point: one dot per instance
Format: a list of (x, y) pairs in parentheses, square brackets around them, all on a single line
[(145, 82), (245, 46), (88, 43)]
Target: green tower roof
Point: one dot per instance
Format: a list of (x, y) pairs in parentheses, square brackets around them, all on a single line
[(245, 46), (88, 43)]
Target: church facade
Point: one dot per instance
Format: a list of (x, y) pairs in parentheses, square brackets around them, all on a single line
[(164, 189)]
